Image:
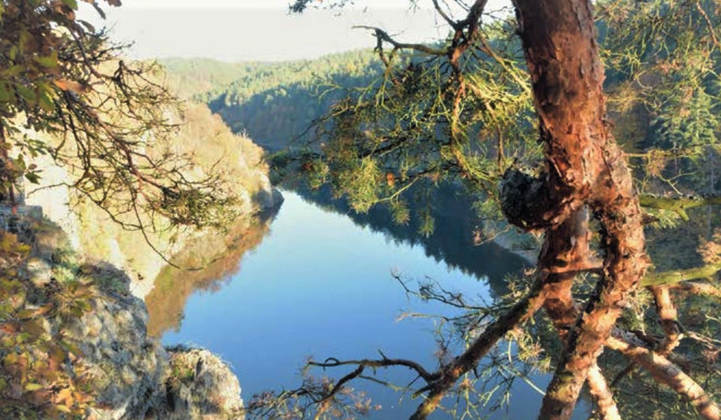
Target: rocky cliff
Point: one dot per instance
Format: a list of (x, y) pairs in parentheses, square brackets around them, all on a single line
[(74, 341), (91, 232)]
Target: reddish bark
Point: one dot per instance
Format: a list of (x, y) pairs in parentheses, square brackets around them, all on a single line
[(668, 314), (584, 167), (602, 395), (567, 251)]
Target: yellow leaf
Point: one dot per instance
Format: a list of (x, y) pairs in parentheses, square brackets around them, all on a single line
[(62, 408), (65, 396), (69, 85), (10, 359), (33, 387), (48, 62)]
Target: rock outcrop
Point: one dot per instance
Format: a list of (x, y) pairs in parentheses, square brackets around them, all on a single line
[(214, 148), (133, 376), (200, 386)]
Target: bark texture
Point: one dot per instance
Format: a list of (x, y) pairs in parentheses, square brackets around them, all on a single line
[(567, 251), (584, 167), (668, 315), (667, 373)]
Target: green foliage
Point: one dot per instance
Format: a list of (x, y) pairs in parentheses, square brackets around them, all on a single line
[(423, 122), (688, 120), (202, 78), (662, 62), (273, 103)]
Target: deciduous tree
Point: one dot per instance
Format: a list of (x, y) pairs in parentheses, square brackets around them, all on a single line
[(109, 120)]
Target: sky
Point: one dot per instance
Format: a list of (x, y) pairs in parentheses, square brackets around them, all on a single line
[(261, 30), (246, 4)]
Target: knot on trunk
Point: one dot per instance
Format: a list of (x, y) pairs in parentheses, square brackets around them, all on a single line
[(526, 200)]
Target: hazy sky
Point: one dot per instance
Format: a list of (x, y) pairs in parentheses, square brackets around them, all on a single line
[(243, 30), (246, 4)]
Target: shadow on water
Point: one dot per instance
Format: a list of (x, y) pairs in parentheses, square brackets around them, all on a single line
[(452, 242)]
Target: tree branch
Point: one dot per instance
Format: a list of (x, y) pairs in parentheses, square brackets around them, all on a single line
[(669, 319), (667, 373), (464, 363), (383, 35), (677, 276), (381, 363), (679, 204)]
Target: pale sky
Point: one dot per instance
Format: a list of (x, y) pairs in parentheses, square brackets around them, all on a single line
[(247, 4), (262, 30)]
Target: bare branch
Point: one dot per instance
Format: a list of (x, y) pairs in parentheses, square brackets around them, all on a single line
[(669, 319), (380, 363), (383, 35)]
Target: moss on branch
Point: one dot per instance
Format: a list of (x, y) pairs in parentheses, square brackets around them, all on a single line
[(677, 276), (678, 204)]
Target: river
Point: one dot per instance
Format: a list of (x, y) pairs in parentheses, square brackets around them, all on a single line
[(319, 285)]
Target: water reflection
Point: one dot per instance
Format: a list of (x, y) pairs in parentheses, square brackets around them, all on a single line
[(451, 244), (453, 241), (166, 302), (319, 285)]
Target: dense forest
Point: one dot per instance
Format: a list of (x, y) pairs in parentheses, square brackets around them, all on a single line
[(275, 103)]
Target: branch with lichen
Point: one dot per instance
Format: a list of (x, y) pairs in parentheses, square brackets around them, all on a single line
[(679, 204), (672, 277)]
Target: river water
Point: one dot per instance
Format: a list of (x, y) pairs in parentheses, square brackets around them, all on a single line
[(319, 285)]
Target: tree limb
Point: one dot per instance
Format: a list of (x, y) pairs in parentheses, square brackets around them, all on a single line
[(464, 363), (678, 276), (667, 373), (669, 319), (384, 362), (679, 204)]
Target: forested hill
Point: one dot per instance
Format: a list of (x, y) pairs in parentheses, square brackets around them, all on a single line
[(198, 77), (273, 102)]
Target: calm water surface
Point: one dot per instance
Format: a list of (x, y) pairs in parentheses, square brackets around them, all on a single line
[(318, 285)]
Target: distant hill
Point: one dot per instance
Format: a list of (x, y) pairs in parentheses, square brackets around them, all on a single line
[(196, 77), (206, 144), (273, 103)]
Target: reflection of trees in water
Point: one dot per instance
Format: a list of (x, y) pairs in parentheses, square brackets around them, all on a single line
[(166, 302), (452, 242)]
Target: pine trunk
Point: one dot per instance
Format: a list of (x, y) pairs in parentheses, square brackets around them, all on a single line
[(584, 167)]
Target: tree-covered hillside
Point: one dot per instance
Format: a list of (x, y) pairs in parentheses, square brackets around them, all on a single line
[(671, 133), (194, 78), (274, 103)]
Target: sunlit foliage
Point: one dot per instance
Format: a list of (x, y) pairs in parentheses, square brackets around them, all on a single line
[(61, 76)]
